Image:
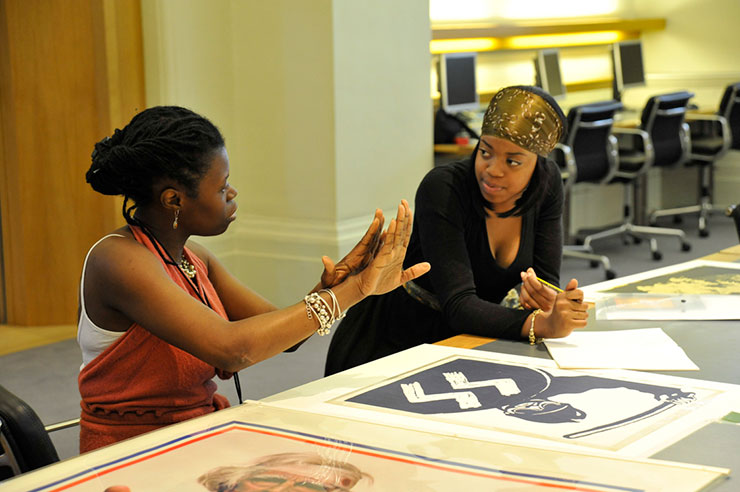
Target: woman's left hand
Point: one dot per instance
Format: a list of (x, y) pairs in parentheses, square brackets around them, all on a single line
[(385, 272), (357, 259), (533, 294)]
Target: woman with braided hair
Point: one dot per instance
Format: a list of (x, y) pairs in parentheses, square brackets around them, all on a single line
[(486, 224), (159, 314)]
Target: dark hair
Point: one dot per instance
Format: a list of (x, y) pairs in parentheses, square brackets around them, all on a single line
[(162, 142), (539, 183)]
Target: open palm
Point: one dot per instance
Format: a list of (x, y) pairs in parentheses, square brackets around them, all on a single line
[(385, 272), (358, 258)]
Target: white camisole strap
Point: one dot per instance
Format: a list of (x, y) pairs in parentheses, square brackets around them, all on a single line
[(93, 340)]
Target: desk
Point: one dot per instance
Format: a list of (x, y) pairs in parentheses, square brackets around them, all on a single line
[(447, 153), (453, 149), (627, 119)]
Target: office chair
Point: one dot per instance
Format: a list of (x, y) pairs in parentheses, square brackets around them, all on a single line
[(729, 108), (25, 444), (662, 140), (591, 136), (711, 138), (565, 157)]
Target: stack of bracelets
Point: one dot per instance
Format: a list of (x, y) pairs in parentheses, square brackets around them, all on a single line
[(325, 314)]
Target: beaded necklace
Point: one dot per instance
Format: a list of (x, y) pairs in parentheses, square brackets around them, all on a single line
[(186, 269)]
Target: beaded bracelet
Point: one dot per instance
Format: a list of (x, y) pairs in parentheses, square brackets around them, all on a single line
[(532, 339), (326, 315)]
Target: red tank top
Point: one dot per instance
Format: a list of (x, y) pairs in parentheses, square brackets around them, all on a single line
[(141, 382)]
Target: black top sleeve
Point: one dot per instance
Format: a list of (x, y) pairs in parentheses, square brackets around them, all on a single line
[(447, 223), (548, 236)]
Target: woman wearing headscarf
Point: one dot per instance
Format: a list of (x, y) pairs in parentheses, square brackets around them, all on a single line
[(486, 224)]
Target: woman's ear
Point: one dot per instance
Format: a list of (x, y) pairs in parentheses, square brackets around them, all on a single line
[(170, 198)]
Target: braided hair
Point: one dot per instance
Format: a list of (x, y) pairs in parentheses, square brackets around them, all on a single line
[(162, 142)]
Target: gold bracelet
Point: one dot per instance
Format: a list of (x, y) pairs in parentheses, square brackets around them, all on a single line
[(532, 339)]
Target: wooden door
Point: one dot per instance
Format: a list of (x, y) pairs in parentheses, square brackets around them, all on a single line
[(70, 72)]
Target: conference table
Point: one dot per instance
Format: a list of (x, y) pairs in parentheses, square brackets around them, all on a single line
[(188, 455)]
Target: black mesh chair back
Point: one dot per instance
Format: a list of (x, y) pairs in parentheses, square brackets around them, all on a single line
[(729, 107), (589, 137), (663, 119), (25, 444)]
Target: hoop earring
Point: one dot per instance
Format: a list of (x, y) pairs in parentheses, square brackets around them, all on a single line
[(177, 215)]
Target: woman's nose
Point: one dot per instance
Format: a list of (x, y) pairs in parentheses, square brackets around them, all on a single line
[(495, 168)]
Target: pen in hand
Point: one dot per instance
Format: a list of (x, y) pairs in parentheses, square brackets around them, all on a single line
[(554, 287)]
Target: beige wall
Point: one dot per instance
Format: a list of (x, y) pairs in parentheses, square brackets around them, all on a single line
[(383, 111), (325, 108)]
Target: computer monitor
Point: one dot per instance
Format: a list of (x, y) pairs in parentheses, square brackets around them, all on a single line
[(628, 66), (457, 87), (547, 72)]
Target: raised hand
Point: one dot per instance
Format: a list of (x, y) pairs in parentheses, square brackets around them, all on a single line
[(385, 271), (356, 260), (568, 313)]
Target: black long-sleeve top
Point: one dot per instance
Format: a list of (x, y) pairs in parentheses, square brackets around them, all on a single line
[(450, 233)]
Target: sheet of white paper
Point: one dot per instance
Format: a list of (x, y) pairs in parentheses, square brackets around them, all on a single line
[(647, 349)]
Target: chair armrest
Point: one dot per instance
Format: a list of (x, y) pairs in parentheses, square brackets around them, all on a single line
[(568, 170), (642, 137), (703, 117), (716, 121), (630, 131), (632, 135), (62, 425)]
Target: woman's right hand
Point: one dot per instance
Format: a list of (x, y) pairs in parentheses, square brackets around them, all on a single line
[(568, 313), (385, 272), (533, 294), (357, 259)]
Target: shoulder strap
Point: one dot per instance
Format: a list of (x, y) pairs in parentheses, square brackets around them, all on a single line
[(84, 267)]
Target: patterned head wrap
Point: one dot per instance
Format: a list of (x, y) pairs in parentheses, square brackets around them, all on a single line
[(523, 116)]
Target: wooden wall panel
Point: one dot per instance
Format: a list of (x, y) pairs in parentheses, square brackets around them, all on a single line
[(61, 87)]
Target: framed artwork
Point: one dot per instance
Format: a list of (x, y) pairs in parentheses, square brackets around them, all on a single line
[(694, 290), (260, 447), (699, 277), (522, 399)]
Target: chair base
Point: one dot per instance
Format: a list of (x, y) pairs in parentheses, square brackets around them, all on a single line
[(703, 209), (638, 233), (583, 253)]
